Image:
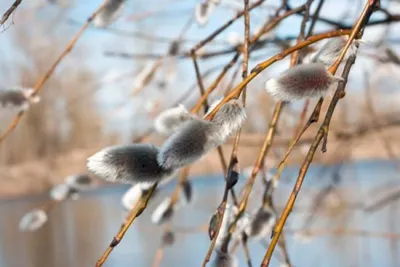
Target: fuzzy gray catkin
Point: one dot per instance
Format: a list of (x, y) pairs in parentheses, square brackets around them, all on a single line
[(136, 163), (33, 220), (61, 192), (301, 81), (171, 119), (261, 224), (331, 50), (79, 182), (203, 11), (197, 136), (111, 11), (229, 217), (133, 194), (187, 145), (186, 193), (164, 211), (19, 98), (229, 118), (224, 259)]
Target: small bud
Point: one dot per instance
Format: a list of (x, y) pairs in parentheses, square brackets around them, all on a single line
[(187, 193), (233, 174), (79, 182), (133, 194), (111, 11), (174, 48), (203, 11), (131, 164), (261, 224), (213, 225), (168, 239), (32, 220), (301, 81), (171, 119), (61, 192), (223, 259), (164, 211), (20, 98)]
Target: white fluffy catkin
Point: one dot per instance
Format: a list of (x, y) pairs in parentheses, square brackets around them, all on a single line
[(224, 259), (134, 163), (261, 224), (133, 194), (301, 81), (18, 98), (171, 119), (197, 136), (60, 192), (229, 216), (79, 182), (111, 11), (32, 220), (229, 118), (203, 11), (164, 211), (331, 50)]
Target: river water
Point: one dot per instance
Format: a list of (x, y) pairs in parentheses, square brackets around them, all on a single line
[(78, 231)]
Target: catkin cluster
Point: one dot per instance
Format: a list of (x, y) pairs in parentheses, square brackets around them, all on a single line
[(191, 137)]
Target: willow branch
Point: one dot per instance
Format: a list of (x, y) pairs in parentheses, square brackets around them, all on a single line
[(307, 161), (47, 75), (139, 207), (323, 131), (224, 26)]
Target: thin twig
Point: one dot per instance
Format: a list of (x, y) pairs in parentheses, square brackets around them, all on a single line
[(199, 80), (139, 207), (266, 28), (224, 26), (307, 161), (323, 131), (47, 75)]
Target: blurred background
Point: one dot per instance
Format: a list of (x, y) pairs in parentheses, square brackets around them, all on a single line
[(115, 81)]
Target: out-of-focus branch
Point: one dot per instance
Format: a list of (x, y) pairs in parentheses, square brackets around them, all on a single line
[(374, 118), (9, 11), (47, 75)]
